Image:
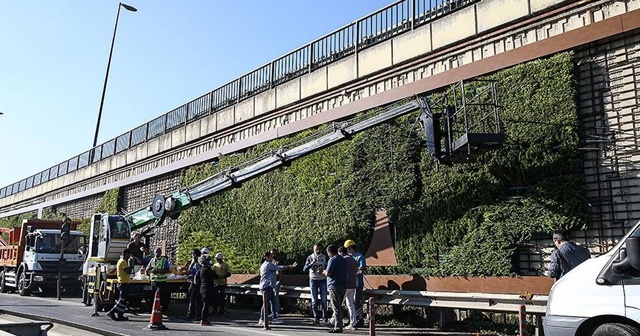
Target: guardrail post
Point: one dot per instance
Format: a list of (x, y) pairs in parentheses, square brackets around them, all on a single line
[(443, 318), (522, 320), (538, 318), (372, 317)]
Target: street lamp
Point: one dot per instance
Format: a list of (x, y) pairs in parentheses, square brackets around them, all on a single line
[(106, 77)]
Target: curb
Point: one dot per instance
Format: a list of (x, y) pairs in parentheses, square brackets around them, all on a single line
[(63, 322)]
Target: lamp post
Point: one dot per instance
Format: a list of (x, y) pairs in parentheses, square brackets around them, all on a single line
[(106, 77)]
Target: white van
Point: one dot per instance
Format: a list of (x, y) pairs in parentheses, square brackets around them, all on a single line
[(600, 297)]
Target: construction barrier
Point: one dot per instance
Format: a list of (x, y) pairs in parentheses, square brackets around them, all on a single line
[(155, 323)]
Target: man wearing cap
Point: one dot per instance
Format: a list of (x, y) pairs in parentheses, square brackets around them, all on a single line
[(223, 271), (158, 270), (362, 266)]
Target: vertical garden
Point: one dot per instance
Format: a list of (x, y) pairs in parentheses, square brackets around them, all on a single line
[(464, 219)]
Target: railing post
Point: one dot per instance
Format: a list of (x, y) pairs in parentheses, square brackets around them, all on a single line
[(356, 38), (310, 57), (372, 316), (272, 74), (412, 11)]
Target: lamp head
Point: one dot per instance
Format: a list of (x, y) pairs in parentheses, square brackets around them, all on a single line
[(128, 7)]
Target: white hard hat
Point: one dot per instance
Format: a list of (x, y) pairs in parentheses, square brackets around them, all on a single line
[(219, 255), (205, 251)]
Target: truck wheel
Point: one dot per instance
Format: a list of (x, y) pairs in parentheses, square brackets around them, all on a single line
[(3, 285), (615, 329), (22, 288)]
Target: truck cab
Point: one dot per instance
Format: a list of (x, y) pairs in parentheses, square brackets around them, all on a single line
[(109, 235), (30, 260), (41, 259), (601, 296)]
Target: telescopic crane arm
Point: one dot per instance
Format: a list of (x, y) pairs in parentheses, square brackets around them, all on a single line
[(171, 206)]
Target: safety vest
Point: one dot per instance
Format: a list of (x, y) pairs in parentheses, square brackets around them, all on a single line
[(159, 265)]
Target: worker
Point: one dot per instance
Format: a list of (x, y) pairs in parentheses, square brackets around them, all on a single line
[(124, 268), (139, 249), (206, 277), (192, 270), (336, 274), (350, 292), (315, 265), (362, 266), (223, 271), (268, 279), (566, 256), (275, 313), (158, 270)]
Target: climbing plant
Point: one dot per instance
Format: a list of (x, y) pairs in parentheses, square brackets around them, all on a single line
[(464, 219), (110, 201)]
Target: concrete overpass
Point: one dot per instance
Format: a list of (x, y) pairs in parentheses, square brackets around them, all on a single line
[(406, 48)]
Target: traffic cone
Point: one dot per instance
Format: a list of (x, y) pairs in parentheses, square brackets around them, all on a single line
[(155, 323)]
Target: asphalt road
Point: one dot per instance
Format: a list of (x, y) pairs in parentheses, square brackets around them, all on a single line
[(71, 314)]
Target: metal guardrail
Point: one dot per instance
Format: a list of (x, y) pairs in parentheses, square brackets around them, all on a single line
[(474, 301), (390, 21)]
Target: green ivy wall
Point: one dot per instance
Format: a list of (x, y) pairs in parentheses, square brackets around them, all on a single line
[(466, 219)]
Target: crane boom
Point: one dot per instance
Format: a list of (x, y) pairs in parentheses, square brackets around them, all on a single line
[(179, 201)]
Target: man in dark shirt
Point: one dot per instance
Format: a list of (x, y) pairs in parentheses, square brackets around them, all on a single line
[(336, 274), (566, 257), (350, 293), (138, 249)]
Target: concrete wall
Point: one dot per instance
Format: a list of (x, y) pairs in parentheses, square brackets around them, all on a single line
[(355, 73)]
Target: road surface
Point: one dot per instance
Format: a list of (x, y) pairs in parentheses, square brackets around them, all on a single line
[(71, 314)]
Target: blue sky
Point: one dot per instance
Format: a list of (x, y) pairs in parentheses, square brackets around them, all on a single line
[(53, 58)]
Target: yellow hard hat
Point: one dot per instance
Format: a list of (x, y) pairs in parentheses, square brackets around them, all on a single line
[(349, 242)]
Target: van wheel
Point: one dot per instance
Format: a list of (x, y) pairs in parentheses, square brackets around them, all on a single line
[(615, 329)]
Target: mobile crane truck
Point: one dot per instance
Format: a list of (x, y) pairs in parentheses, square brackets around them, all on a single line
[(110, 233), (30, 259)]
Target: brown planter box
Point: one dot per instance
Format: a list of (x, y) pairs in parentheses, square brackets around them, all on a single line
[(496, 285)]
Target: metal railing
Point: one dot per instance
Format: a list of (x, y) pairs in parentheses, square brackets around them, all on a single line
[(390, 21), (475, 301)]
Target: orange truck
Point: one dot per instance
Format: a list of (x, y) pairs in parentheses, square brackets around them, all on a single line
[(30, 259)]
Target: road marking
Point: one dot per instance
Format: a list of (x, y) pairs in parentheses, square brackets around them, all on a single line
[(260, 332)]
